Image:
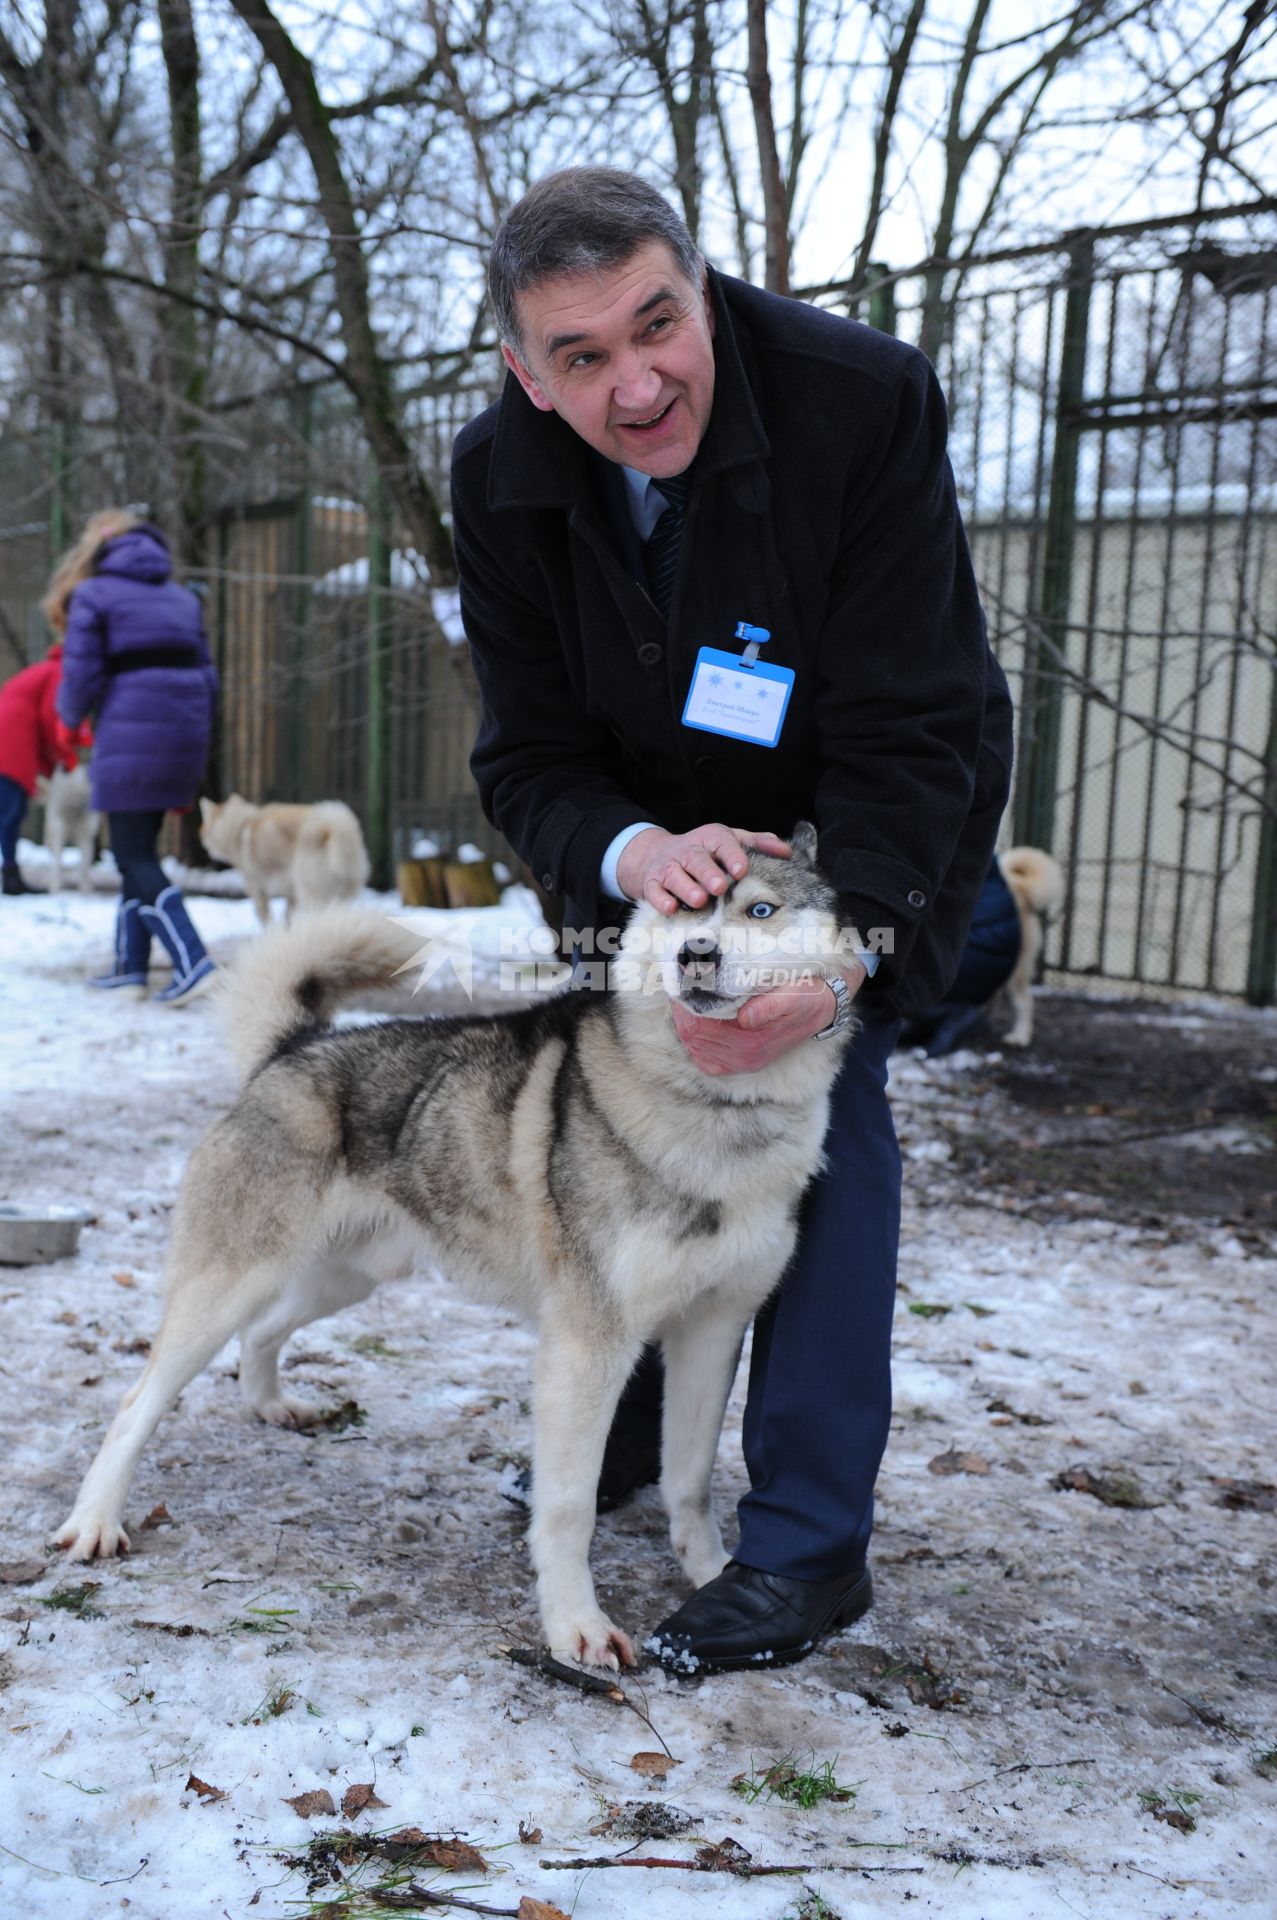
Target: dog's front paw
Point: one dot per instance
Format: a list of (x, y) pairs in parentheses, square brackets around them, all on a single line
[(595, 1642), (284, 1411), (91, 1537)]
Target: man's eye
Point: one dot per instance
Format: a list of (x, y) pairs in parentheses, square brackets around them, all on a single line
[(761, 910)]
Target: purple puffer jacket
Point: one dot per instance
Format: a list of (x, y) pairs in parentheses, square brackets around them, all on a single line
[(135, 656)]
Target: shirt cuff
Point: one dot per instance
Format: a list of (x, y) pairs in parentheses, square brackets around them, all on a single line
[(869, 961), (608, 882)]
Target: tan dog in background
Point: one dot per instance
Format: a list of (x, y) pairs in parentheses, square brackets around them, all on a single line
[(313, 856), (1037, 885)]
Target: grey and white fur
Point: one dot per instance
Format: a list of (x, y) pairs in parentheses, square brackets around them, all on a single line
[(567, 1159)]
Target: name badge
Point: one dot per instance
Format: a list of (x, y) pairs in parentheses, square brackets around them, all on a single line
[(745, 700)]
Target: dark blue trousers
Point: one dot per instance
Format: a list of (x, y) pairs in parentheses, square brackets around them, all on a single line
[(13, 804), (134, 840), (819, 1406)]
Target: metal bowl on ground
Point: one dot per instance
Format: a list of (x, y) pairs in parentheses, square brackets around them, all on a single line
[(31, 1235)]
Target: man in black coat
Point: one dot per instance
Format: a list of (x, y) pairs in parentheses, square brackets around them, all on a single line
[(678, 463)]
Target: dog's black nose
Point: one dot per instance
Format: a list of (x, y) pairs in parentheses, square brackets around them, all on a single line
[(699, 948)]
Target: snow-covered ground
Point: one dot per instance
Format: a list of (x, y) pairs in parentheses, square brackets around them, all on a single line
[(1058, 1705)]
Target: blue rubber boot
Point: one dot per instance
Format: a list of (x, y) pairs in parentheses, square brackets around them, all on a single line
[(193, 971), (132, 950)]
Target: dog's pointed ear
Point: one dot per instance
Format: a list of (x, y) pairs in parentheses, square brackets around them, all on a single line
[(803, 842), (207, 808)]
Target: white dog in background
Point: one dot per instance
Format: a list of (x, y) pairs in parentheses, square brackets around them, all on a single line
[(314, 856), (69, 820)]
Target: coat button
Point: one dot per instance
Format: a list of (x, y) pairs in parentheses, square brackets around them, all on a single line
[(649, 653), (917, 900), (547, 881)]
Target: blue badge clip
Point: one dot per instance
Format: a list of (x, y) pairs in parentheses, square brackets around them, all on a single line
[(756, 637)]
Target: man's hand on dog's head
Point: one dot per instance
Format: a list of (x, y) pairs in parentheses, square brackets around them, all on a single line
[(673, 870), (769, 1025)]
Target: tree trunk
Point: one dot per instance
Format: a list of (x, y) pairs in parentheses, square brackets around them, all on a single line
[(370, 378)]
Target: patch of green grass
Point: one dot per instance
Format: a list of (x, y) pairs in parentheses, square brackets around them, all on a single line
[(798, 1786), (76, 1600), (1173, 1805), (1264, 1761), (928, 1310), (339, 1419), (277, 1700), (372, 1344), (812, 1906)]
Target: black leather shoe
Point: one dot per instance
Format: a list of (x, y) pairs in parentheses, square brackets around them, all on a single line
[(747, 1618)]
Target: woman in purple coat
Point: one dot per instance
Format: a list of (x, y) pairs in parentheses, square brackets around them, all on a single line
[(135, 657)]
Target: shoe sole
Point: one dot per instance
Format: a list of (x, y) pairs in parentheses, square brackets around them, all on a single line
[(844, 1613)]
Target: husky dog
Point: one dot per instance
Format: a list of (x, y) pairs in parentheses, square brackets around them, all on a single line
[(313, 856), (1037, 885), (568, 1159), (69, 817)]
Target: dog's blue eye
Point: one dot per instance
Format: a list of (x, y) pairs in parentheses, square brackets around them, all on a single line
[(761, 910)]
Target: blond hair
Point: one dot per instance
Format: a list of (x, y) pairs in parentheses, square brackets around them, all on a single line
[(77, 562)]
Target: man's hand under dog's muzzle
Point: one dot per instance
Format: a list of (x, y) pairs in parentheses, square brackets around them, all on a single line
[(766, 1027)]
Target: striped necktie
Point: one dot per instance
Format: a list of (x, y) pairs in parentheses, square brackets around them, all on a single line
[(660, 555)]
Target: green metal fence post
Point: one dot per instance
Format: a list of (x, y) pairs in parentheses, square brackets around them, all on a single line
[(297, 687), (1042, 701), (882, 299), (377, 802), (1261, 972)]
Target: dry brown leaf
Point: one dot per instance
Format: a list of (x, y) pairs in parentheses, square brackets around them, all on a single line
[(157, 1517), (357, 1798), (955, 1461), (20, 1573), (124, 1278), (654, 1765), (529, 1836), (454, 1856), (318, 1800), (532, 1909), (205, 1792), (726, 1856)]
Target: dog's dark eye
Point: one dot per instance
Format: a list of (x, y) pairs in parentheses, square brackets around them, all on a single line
[(761, 910)]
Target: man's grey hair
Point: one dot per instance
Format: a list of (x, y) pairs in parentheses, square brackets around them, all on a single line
[(581, 220)]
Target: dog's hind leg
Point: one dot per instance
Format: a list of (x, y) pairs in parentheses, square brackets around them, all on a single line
[(701, 1353), (202, 1314), (324, 1289), (579, 1377)]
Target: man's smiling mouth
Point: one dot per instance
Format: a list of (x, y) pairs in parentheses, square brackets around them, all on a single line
[(641, 426)]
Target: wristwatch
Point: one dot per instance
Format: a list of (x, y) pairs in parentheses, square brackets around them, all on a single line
[(844, 1019)]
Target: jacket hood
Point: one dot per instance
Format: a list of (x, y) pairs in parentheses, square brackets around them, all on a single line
[(140, 554)]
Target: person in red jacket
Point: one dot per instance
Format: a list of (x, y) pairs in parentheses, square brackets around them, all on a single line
[(33, 740)]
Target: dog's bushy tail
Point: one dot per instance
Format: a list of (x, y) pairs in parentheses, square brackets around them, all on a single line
[(297, 976), (1033, 874), (331, 862)]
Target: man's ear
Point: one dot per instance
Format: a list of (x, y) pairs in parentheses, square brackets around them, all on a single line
[(534, 392)]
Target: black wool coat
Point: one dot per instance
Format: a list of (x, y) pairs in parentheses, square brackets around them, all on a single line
[(822, 507)]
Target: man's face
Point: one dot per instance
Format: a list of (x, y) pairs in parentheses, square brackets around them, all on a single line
[(625, 357)]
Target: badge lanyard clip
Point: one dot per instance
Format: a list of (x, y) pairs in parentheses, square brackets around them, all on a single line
[(755, 637)]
